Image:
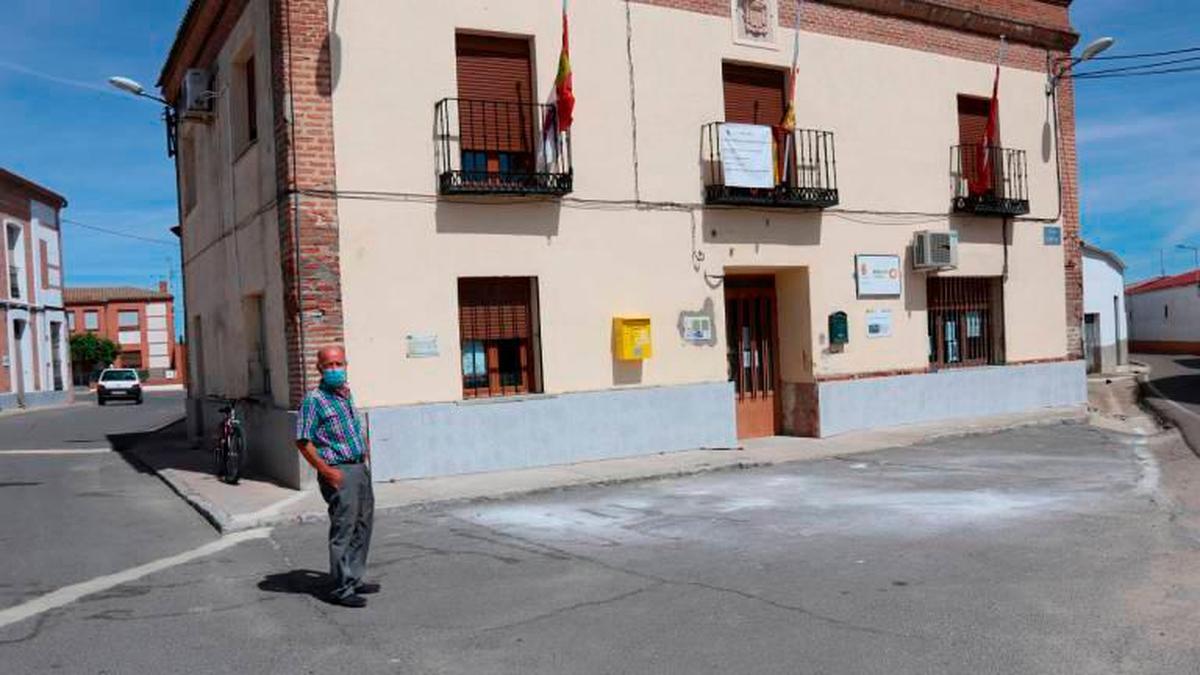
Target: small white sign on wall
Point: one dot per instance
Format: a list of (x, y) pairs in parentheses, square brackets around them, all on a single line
[(697, 329), (879, 323), (421, 346), (877, 275)]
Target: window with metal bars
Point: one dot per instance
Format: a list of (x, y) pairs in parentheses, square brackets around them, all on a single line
[(498, 330), (965, 321)]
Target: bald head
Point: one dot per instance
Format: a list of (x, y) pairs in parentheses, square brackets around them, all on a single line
[(331, 356)]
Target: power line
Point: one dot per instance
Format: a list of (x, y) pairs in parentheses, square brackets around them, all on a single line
[(117, 233), (1141, 74), (1146, 55), (1157, 64)]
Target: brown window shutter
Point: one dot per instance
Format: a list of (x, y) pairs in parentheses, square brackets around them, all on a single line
[(495, 308), (972, 119), (495, 88), (753, 95)]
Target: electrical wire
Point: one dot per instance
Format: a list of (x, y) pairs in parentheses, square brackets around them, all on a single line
[(118, 233), (1146, 55), (1168, 71), (1146, 66)]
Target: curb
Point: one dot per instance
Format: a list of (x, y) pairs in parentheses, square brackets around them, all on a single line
[(226, 524)]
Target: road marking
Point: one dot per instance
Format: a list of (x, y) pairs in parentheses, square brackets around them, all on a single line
[(68, 594), (74, 451)]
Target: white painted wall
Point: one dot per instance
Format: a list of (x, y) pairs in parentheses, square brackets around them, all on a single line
[(1169, 315), (1102, 282)]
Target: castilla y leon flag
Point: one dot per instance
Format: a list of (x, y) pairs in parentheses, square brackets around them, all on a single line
[(564, 102)]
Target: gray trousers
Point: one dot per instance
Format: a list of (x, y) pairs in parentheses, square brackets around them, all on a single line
[(351, 517)]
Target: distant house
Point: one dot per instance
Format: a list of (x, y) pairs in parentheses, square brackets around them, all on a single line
[(34, 362), (1105, 330), (140, 320), (1164, 314)]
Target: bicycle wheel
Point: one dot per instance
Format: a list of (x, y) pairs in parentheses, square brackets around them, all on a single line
[(235, 455)]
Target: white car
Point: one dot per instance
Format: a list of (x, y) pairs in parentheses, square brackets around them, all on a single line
[(119, 383)]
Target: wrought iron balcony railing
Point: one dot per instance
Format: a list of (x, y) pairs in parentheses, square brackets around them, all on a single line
[(989, 181), (499, 147), (804, 164)]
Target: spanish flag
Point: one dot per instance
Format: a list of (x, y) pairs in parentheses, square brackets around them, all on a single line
[(564, 86)]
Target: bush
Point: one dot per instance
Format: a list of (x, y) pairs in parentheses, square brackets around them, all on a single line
[(89, 348)]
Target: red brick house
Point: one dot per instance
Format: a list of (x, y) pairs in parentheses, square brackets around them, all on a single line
[(140, 321)]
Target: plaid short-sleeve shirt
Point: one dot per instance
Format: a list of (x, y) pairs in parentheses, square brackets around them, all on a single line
[(330, 421)]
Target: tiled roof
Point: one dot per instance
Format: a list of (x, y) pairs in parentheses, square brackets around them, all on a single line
[(102, 294), (43, 192), (1186, 279)]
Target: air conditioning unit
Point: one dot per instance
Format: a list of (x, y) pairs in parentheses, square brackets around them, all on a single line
[(935, 250), (196, 97)]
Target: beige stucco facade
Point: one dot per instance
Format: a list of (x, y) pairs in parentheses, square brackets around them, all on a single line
[(892, 110), (634, 237)]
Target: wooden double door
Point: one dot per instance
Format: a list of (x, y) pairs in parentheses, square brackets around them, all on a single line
[(752, 336)]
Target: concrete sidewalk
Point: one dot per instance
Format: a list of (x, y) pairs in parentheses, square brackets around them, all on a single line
[(252, 503)]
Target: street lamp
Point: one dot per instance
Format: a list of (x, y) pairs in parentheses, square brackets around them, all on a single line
[(135, 88), (1091, 51), (1194, 249)]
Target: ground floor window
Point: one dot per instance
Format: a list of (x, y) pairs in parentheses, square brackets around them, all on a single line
[(965, 321), (499, 336), (131, 359)]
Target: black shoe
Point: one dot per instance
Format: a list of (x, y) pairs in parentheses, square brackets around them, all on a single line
[(355, 601), (367, 588)]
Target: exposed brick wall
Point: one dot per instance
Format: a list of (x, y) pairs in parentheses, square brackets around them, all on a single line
[(1072, 261), (843, 18), (312, 291)]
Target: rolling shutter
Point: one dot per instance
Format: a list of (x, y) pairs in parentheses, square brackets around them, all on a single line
[(495, 91), (753, 95), (496, 308), (972, 119)]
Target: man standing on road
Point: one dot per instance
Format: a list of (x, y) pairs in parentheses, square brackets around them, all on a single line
[(330, 436)]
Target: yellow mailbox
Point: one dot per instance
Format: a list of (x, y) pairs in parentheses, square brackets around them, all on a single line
[(631, 338)]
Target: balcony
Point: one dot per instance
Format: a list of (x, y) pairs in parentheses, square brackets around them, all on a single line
[(501, 148), (989, 181), (804, 174)]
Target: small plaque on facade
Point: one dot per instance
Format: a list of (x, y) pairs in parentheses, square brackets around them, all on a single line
[(698, 329), (1052, 235), (877, 275), (422, 346), (879, 323)]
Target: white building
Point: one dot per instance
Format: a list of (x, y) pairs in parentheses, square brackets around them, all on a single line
[(34, 361), (1105, 330), (1164, 314)]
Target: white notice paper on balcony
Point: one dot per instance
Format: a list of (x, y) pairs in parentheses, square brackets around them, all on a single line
[(746, 156)]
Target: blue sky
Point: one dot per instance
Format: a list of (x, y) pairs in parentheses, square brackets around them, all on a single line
[(60, 125)]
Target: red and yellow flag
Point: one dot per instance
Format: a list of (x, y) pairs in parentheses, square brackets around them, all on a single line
[(564, 86)]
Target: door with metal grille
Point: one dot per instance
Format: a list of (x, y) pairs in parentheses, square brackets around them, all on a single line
[(752, 336)]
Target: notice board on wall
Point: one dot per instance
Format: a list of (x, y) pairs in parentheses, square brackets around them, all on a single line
[(877, 275)]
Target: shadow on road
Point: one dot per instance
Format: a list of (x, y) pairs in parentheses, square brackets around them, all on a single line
[(1179, 388), (298, 582), (1190, 362), (168, 448)]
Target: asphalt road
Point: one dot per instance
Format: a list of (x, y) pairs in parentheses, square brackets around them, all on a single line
[(1176, 391), (72, 509), (1047, 550), (87, 425)]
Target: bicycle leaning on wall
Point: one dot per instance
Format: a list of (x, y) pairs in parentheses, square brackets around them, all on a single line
[(229, 455)]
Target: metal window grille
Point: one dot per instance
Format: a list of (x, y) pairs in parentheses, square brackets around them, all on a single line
[(964, 321), (1004, 193), (498, 333)]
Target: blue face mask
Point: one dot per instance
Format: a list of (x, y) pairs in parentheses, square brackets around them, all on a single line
[(334, 378)]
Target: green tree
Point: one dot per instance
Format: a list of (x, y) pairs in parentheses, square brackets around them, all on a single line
[(90, 349)]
